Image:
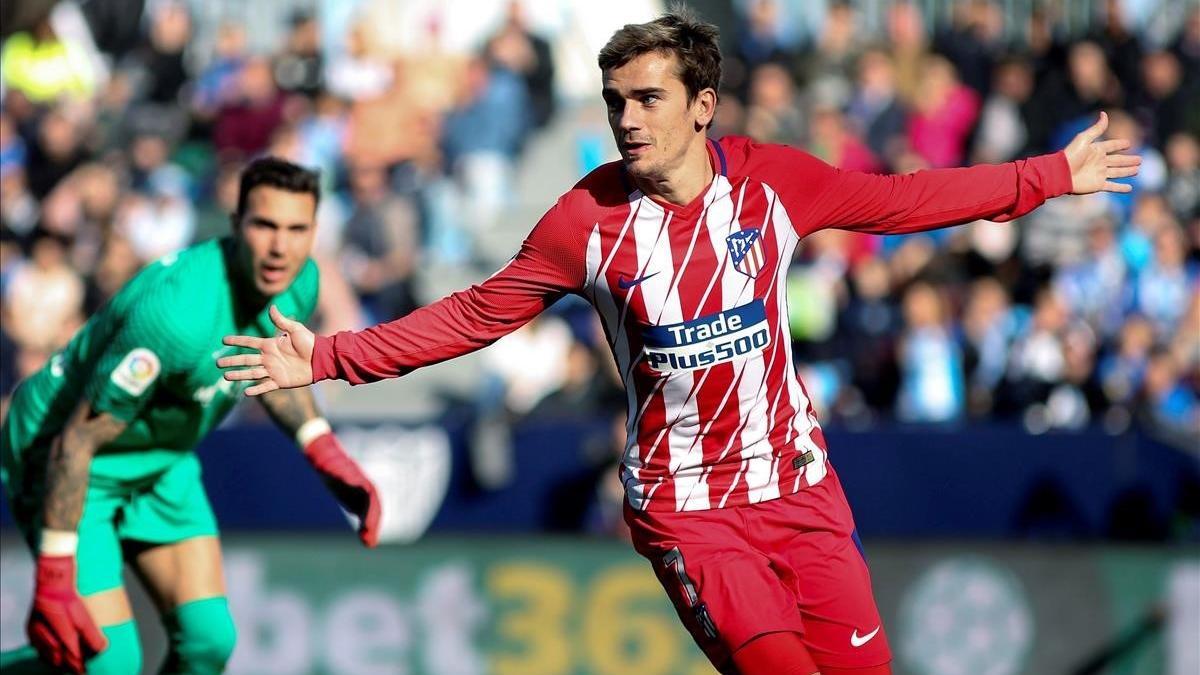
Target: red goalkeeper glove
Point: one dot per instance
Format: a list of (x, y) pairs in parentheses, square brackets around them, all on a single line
[(59, 627), (348, 484)]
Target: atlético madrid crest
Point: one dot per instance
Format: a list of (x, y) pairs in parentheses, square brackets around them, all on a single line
[(745, 248)]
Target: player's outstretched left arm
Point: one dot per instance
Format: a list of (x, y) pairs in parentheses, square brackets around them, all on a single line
[(295, 413), (280, 362), (934, 198)]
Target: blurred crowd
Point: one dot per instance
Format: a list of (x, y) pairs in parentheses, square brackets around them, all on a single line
[(1087, 311), (121, 141)]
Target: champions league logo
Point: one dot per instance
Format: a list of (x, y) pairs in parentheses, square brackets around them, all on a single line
[(745, 248)]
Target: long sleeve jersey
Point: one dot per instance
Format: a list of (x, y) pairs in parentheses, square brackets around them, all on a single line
[(692, 302)]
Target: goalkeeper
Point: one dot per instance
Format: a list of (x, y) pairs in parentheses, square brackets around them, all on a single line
[(96, 453)]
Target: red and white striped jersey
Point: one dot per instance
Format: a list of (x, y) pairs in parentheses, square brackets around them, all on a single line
[(692, 301)]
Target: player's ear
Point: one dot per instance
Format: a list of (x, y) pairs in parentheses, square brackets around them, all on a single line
[(705, 107)]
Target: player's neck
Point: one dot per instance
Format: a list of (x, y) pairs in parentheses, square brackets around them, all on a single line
[(686, 182)]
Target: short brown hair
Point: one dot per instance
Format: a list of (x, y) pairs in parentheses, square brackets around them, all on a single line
[(692, 42), (278, 173)]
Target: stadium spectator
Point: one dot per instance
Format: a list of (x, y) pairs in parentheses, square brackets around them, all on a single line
[(301, 67), (1121, 45), (158, 64), (44, 297), (829, 67), (909, 45), (217, 83), (530, 56), (1038, 356), (482, 136), (244, 124), (760, 40), (43, 68), (867, 329), (19, 209), (1163, 288), (380, 244), (1121, 372), (831, 139), (773, 110), (943, 115), (1183, 177), (875, 110), (988, 329), (1165, 398), (1096, 286), (1004, 131), (1187, 47), (931, 378), (56, 150), (973, 42)]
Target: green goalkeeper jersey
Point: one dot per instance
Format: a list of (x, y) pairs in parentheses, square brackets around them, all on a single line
[(148, 357)]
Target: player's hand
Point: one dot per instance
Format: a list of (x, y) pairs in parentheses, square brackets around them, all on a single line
[(282, 362), (348, 483), (59, 627), (1093, 161)]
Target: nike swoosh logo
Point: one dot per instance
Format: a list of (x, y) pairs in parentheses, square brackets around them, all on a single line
[(627, 284), (857, 641)]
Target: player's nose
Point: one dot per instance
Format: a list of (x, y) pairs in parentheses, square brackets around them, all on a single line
[(630, 120), (278, 247)]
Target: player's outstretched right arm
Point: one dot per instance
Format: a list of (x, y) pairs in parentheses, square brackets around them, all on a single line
[(59, 627), (549, 264)]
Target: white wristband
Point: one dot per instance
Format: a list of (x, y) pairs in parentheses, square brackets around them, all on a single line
[(311, 430), (58, 542)]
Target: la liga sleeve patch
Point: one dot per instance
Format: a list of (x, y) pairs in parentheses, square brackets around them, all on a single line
[(137, 371)]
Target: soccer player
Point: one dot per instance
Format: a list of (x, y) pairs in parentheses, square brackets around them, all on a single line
[(682, 247), (96, 453)]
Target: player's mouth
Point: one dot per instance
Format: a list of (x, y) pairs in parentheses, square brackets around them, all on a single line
[(273, 274), (635, 148)]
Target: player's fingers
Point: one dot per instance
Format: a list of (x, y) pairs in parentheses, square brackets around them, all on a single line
[(1124, 160), (369, 531), (243, 374), (72, 655), (73, 662), (94, 640), (1121, 172), (262, 388), (1097, 130), (1110, 186), (243, 341), (1115, 145), (282, 322), (240, 360), (91, 639), (46, 643)]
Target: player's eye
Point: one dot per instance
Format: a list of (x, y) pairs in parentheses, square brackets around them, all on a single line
[(649, 99)]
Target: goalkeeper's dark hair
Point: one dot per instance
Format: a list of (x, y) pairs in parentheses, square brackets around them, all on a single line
[(277, 173), (679, 33)]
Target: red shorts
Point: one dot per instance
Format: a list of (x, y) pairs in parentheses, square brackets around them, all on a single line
[(789, 564)]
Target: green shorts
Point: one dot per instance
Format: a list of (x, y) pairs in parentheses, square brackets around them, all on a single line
[(163, 509)]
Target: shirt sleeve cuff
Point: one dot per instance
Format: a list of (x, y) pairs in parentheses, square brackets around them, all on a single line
[(1056, 172), (324, 363)]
